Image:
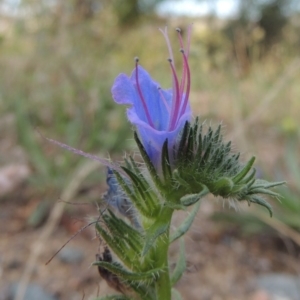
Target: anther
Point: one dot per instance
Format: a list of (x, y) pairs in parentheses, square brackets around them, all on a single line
[(136, 59), (178, 30), (169, 60)]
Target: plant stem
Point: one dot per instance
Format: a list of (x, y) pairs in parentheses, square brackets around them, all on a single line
[(163, 284)]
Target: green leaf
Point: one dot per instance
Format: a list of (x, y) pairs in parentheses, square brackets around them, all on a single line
[(180, 265), (144, 190), (186, 224), (176, 295), (114, 244), (136, 201), (126, 233), (124, 274), (152, 233)]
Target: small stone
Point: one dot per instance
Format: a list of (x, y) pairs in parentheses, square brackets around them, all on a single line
[(70, 255), (279, 286), (33, 292)]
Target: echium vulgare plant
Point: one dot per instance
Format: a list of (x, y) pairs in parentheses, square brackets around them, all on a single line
[(183, 161)]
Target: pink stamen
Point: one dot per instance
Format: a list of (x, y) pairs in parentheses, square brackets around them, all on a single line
[(180, 37), (140, 93), (165, 34), (182, 83), (176, 98), (178, 103), (188, 84)]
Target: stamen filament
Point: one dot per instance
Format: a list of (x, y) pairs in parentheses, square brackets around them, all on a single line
[(188, 84), (141, 94), (165, 34), (182, 83), (176, 98)]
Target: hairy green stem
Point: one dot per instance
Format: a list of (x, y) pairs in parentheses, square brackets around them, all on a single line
[(163, 284)]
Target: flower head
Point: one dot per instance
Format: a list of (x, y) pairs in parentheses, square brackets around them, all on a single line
[(157, 114)]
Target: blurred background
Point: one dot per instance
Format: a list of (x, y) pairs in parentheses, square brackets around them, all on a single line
[(58, 61)]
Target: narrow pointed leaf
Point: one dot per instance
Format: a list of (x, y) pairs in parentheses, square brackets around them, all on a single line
[(148, 163), (114, 245), (190, 199), (153, 233), (142, 188), (124, 274), (176, 295), (138, 204), (186, 224), (180, 264)]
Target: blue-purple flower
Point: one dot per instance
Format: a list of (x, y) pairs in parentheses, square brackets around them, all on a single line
[(158, 114)]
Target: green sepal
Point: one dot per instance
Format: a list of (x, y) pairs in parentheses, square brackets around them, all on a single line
[(182, 144), (181, 181), (165, 162), (180, 264), (148, 163), (259, 183), (261, 201), (237, 178), (263, 191), (189, 151), (186, 224), (217, 136), (207, 152), (249, 177)]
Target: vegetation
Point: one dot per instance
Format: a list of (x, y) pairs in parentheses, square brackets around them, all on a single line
[(58, 64)]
